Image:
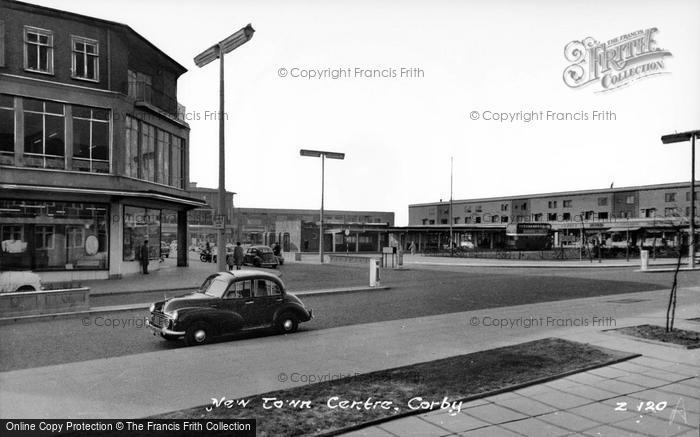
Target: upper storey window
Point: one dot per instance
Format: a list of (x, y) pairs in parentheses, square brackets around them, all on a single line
[(85, 58), (38, 50)]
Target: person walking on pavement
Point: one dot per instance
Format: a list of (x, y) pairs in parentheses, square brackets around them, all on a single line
[(412, 247), (238, 255), (229, 259), (143, 252)]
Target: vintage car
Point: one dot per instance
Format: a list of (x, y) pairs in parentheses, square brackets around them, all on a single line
[(260, 256), (228, 302), (19, 281)]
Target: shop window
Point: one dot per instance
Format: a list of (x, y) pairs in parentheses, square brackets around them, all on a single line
[(91, 139), (566, 216), (53, 235), (163, 159), (602, 215), (141, 224), (44, 134)]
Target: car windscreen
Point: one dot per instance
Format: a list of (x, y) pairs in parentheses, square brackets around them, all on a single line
[(216, 287)]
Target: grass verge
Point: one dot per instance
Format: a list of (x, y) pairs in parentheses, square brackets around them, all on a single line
[(681, 337), (462, 377)]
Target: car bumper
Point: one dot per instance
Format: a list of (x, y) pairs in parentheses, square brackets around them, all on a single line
[(165, 331)]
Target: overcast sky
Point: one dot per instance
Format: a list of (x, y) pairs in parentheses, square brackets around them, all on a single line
[(399, 133)]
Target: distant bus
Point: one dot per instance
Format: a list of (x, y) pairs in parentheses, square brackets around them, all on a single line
[(529, 236)]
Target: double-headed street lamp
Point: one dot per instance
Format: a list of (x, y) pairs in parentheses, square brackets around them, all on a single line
[(678, 138), (323, 155), (218, 51)]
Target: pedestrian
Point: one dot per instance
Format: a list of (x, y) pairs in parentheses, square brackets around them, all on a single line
[(277, 249), (238, 255), (144, 257), (229, 260), (412, 247)]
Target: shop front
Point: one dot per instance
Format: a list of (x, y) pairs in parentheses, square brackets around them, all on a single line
[(78, 234)]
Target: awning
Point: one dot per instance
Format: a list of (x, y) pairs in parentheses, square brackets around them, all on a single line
[(624, 229), (189, 201)]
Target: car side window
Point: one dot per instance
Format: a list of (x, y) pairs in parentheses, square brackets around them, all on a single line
[(262, 288), (239, 289), (275, 290)]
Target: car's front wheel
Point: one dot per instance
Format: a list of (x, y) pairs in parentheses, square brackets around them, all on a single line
[(198, 333), (287, 323)]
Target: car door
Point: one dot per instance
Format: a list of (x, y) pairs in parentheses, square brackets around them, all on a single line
[(235, 302), (267, 295)]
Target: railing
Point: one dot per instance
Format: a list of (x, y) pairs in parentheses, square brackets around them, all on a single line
[(145, 92)]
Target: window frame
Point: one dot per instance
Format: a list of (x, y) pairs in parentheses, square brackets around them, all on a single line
[(86, 56), (91, 121), (50, 49)]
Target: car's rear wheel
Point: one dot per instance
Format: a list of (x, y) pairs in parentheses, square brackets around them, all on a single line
[(287, 323), (198, 333), (26, 288)]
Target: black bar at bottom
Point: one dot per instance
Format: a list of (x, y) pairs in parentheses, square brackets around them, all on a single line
[(127, 427)]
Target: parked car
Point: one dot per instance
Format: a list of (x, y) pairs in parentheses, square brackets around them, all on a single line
[(260, 256), (228, 302), (19, 281)]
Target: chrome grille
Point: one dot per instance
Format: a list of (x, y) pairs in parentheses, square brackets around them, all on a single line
[(158, 319)]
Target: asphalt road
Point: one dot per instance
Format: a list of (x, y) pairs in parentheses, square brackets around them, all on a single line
[(416, 292)]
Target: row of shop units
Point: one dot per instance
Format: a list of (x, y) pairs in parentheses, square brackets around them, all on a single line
[(636, 233)]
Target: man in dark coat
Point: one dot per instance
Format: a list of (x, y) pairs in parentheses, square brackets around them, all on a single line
[(143, 252), (238, 255)]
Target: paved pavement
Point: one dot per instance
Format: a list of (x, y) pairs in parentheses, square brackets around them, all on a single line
[(171, 277), (144, 384)]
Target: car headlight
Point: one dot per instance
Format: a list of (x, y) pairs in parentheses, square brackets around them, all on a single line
[(152, 308)]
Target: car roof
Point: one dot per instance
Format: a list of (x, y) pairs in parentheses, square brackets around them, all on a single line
[(250, 273)]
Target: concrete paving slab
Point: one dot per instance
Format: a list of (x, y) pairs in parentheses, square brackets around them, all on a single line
[(494, 414), (527, 406), (491, 431), (652, 426), (536, 427), (372, 431), (566, 420), (454, 422), (414, 427), (560, 399), (603, 412)]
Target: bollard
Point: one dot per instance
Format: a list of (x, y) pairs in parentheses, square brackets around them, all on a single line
[(374, 272), (644, 257)]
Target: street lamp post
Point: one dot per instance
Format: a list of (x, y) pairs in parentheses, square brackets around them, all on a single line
[(218, 51), (323, 155), (677, 138)]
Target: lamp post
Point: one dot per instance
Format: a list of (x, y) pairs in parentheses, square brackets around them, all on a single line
[(677, 138), (323, 155), (218, 51)]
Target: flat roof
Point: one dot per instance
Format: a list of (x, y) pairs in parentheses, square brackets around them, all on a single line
[(561, 193), (306, 211)]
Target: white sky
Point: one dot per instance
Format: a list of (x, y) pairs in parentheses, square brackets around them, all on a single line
[(399, 134)]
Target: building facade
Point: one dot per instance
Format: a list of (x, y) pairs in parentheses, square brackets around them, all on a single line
[(643, 211), (201, 222), (93, 155), (297, 230)]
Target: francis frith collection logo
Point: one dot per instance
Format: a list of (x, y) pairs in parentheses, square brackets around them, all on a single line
[(615, 63)]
